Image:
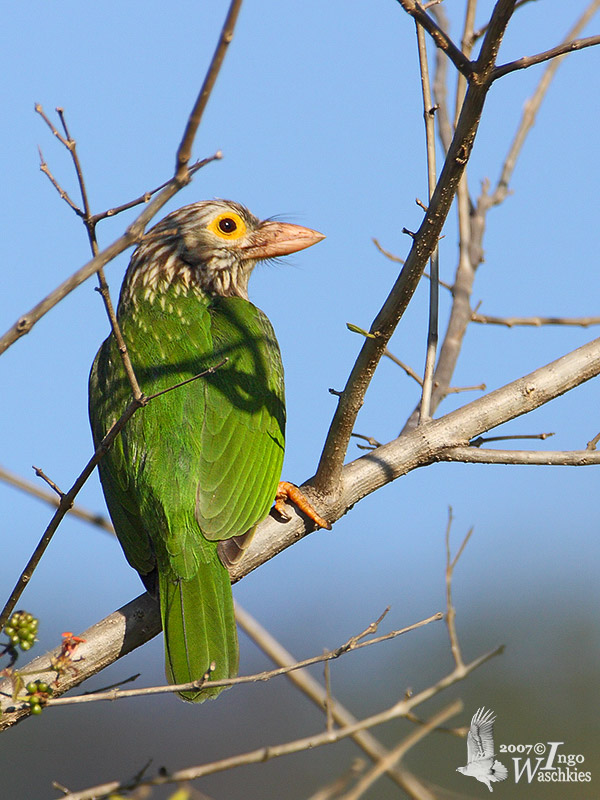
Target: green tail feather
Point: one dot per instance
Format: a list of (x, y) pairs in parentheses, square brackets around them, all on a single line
[(199, 628)]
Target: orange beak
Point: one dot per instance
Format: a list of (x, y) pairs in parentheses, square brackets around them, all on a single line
[(274, 239)]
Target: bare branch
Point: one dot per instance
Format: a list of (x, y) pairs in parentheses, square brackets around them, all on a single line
[(409, 370), (185, 148), (399, 709), (147, 196), (434, 288), (591, 445), (41, 474), (64, 195), (534, 322), (395, 755), (430, 443), (479, 387), (440, 94), (370, 440), (472, 223), (316, 692), (549, 458), (134, 232), (439, 36), (554, 52), (386, 253), (90, 227), (532, 106), (508, 438), (480, 32), (450, 610), (64, 506), (66, 500), (50, 497), (425, 240), (333, 788), (97, 635), (132, 235)]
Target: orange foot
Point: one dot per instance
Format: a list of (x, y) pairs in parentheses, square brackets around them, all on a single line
[(287, 491)]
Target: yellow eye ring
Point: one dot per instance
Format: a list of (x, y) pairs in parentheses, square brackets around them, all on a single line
[(228, 225)]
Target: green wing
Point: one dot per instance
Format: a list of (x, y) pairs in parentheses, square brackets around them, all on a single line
[(198, 464), (242, 445)]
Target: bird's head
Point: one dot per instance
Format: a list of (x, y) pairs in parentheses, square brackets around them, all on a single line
[(213, 245)]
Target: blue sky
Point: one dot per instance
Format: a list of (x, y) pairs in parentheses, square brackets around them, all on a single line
[(318, 114)]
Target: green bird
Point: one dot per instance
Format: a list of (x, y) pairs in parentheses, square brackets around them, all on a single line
[(201, 463)]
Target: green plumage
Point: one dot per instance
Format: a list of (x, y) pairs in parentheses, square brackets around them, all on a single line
[(200, 463)]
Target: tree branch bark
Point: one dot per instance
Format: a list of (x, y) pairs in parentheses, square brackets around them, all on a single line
[(139, 621)]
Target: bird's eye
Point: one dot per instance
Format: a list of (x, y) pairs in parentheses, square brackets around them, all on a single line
[(227, 225)]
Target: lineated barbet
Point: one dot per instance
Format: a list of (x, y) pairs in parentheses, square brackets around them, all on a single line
[(200, 463)]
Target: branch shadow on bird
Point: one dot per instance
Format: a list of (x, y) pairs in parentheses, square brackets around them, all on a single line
[(242, 381)]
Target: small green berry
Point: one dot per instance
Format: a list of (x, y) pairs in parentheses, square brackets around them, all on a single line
[(36, 709)]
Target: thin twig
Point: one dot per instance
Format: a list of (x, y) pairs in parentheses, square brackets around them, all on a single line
[(328, 696), (50, 497), (67, 499), (549, 458), (63, 507), (509, 438), (133, 235), (41, 474), (39, 110), (439, 36), (371, 441), (304, 681), (432, 329), (440, 93), (71, 146), (147, 196), (139, 620), (409, 370), (90, 227), (532, 106), (555, 52), (328, 476), (64, 195), (399, 260), (479, 387), (480, 31), (591, 445), (396, 755), (353, 643), (135, 231), (387, 253), (332, 789), (534, 322), (472, 222), (450, 610), (466, 47), (399, 709), (184, 151)]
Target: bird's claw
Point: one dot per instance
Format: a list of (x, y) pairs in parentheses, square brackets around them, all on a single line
[(287, 491)]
